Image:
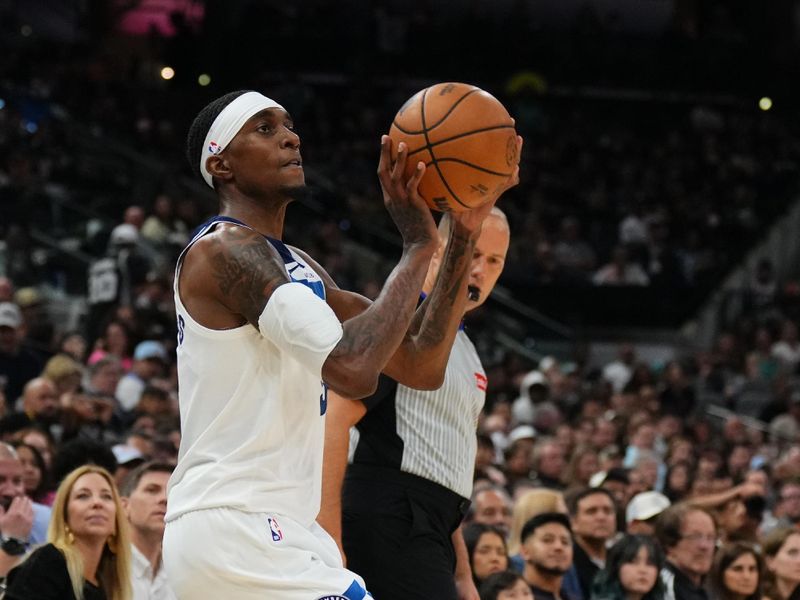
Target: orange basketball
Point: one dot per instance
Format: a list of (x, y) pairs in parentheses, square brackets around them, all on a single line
[(466, 139)]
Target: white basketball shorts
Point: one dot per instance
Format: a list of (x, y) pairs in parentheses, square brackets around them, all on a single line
[(227, 553)]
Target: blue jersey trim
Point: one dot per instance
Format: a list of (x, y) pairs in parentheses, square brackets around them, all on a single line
[(355, 592), (315, 286)]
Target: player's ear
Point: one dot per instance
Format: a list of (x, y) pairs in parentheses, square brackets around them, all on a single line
[(219, 167)]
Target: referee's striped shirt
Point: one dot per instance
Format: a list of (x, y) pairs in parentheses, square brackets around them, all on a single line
[(431, 434)]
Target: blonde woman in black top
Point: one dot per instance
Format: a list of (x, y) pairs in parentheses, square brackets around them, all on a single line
[(88, 554)]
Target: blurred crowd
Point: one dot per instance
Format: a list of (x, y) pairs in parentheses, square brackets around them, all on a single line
[(686, 470), (626, 189), (625, 479)]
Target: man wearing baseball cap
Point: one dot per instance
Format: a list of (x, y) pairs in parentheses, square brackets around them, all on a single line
[(643, 510), (18, 364), (149, 361)]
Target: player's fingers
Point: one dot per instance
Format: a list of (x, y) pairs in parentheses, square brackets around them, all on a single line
[(385, 159), (413, 182), (400, 163)]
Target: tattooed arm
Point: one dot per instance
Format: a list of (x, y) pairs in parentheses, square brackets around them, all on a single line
[(420, 360), (229, 275)]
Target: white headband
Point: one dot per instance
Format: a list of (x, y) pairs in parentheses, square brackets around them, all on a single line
[(228, 123)]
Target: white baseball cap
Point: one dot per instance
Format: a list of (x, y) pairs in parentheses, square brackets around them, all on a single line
[(646, 505), (10, 315), (122, 234), (126, 454), (521, 432)]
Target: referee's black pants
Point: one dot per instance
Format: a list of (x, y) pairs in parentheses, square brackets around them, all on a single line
[(396, 532)]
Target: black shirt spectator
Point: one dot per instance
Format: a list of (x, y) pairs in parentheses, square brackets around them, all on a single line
[(683, 587), (18, 364), (44, 576)]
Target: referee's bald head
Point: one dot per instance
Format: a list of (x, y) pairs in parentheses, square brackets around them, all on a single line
[(444, 223)]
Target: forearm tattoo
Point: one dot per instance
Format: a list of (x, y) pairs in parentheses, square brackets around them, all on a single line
[(448, 290)]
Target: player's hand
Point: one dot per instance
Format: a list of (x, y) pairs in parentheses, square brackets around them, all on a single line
[(472, 219), (400, 195), (17, 521)]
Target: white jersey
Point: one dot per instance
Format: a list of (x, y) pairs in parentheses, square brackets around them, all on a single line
[(252, 417), (429, 433)]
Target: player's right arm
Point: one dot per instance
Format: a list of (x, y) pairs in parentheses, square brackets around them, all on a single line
[(231, 275)]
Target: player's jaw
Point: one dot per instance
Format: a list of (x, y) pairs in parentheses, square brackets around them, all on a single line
[(296, 192)]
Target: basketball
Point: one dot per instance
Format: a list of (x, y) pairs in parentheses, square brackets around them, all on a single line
[(466, 139)]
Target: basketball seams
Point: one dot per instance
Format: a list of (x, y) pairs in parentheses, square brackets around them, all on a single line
[(442, 133), (440, 121), (430, 149), (452, 108), (472, 166), (430, 145)]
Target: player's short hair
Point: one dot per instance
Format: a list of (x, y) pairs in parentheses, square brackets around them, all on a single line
[(200, 126)]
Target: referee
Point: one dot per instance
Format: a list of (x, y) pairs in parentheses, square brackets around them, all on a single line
[(407, 486)]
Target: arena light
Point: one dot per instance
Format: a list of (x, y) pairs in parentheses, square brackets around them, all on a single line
[(26, 30), (204, 79), (765, 103), (167, 73)]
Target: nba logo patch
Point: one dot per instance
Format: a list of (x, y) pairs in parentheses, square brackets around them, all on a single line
[(277, 534), (213, 148), (481, 381)]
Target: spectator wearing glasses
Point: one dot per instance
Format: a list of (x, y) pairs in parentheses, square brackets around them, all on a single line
[(688, 536)]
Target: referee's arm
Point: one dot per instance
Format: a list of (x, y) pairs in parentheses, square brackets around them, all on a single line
[(342, 414)]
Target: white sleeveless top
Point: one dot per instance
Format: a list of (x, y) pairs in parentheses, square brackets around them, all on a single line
[(252, 417)]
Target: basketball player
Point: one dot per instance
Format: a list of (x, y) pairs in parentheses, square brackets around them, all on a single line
[(407, 488), (262, 332)]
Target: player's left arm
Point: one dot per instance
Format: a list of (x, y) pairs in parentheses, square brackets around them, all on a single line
[(421, 359), (464, 582)]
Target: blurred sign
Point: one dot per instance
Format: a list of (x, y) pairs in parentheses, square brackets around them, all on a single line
[(163, 17)]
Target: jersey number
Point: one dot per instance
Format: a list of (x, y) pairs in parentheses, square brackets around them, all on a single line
[(323, 399)]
